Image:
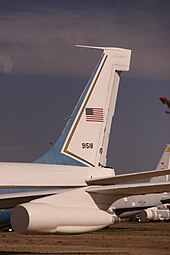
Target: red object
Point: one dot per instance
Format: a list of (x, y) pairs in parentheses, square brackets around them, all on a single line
[(163, 100)]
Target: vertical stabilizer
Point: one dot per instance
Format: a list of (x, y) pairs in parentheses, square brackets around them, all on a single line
[(85, 138), (164, 163)]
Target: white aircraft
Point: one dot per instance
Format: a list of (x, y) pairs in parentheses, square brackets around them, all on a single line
[(149, 206), (81, 188)]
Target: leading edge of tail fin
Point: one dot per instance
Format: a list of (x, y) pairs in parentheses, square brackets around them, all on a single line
[(164, 163), (84, 141)]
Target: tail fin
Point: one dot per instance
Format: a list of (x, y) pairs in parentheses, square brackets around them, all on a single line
[(164, 163), (84, 141)]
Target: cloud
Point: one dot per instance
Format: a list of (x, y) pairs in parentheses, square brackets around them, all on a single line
[(5, 62), (42, 42)]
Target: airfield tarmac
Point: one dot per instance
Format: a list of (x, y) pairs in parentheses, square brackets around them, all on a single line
[(121, 239)]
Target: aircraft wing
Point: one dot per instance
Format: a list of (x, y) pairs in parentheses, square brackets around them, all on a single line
[(11, 200), (108, 187), (104, 196), (125, 190), (122, 178)]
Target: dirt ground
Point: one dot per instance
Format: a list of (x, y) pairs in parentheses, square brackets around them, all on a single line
[(123, 239)]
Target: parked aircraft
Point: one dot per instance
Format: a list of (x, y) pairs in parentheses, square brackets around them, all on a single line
[(77, 188), (157, 213), (143, 206)]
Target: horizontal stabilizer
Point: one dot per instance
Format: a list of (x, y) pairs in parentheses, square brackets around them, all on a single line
[(125, 190), (122, 178), (99, 47), (121, 56)]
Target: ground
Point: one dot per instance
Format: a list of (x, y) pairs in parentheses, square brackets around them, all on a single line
[(121, 239)]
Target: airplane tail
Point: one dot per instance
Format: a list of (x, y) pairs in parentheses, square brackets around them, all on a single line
[(164, 163), (84, 141)]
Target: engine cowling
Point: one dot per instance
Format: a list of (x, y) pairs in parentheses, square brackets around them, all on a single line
[(155, 214), (45, 218)]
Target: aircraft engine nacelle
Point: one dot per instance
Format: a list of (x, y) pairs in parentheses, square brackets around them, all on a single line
[(45, 218), (155, 214)]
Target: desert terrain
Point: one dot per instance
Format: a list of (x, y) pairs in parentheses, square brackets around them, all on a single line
[(121, 239)]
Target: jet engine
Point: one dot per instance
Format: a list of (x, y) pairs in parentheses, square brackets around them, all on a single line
[(155, 213), (46, 218)]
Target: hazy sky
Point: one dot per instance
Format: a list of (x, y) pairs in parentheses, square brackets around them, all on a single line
[(42, 74)]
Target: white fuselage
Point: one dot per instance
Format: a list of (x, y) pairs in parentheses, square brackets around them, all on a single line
[(33, 175)]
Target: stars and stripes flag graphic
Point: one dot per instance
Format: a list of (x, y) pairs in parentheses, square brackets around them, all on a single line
[(94, 114)]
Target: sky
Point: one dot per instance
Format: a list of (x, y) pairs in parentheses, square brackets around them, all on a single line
[(42, 74)]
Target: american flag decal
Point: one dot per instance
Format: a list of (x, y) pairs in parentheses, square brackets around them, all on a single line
[(94, 114)]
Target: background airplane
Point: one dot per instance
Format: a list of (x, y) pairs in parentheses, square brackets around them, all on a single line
[(77, 188), (136, 206)]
